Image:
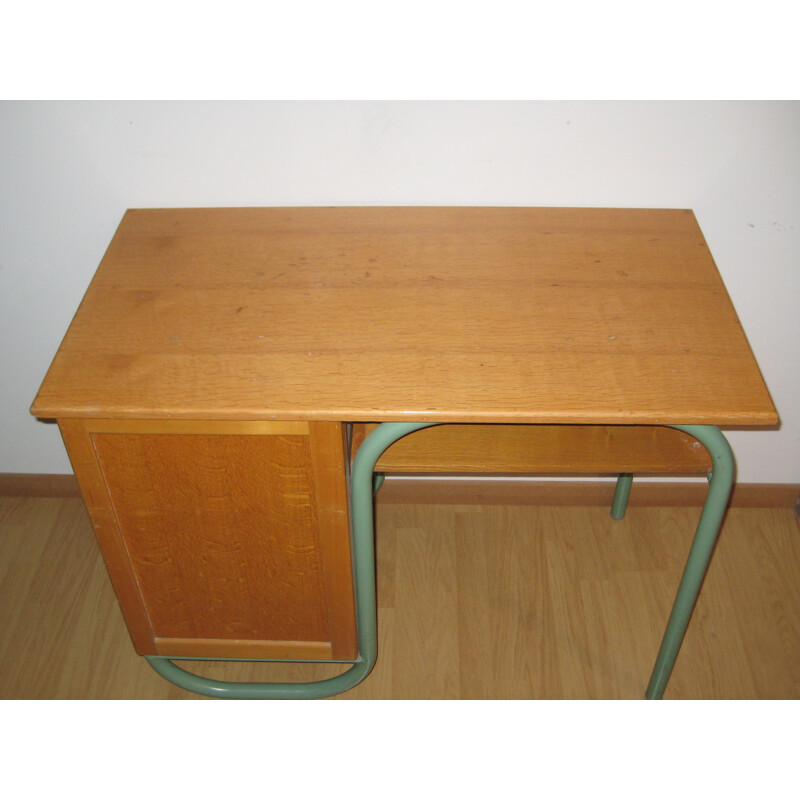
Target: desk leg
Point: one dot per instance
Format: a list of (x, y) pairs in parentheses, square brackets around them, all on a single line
[(363, 524), (708, 528), (363, 532), (621, 494)]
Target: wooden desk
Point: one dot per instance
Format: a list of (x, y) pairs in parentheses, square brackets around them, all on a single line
[(207, 385)]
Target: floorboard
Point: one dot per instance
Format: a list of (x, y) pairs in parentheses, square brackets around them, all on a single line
[(512, 602)]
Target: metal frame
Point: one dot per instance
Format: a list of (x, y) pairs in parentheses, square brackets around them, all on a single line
[(619, 505), (363, 535), (364, 484)]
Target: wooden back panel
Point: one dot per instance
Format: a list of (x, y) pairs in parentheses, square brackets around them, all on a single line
[(237, 544), (587, 449)]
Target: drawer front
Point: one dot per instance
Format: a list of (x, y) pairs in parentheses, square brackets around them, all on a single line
[(223, 539)]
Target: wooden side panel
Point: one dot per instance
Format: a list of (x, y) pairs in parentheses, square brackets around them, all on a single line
[(109, 537), (586, 449), (220, 540), (328, 457), (221, 531)]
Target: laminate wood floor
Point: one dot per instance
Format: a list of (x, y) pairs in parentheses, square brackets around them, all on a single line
[(474, 602)]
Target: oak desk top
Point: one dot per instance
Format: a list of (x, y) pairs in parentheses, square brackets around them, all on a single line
[(536, 315)]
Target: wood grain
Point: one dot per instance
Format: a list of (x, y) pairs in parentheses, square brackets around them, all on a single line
[(94, 489), (588, 449), (242, 648), (328, 465), (221, 532), (585, 316), (218, 543), (206, 427), (426, 597), (534, 602)]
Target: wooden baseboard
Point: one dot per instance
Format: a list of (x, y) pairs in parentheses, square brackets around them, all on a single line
[(490, 491), (14, 484)]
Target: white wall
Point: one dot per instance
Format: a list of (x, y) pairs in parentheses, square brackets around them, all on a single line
[(69, 170)]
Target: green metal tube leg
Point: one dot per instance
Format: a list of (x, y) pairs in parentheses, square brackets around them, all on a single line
[(708, 527), (363, 533), (620, 503), (362, 520)]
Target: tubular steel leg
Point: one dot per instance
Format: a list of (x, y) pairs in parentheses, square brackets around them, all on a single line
[(362, 519), (364, 575), (620, 503), (700, 554)]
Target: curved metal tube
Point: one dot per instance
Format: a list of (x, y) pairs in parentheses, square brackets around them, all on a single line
[(363, 531), (621, 494), (362, 521), (708, 527)]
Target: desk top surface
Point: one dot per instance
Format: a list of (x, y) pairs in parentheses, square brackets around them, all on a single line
[(540, 315)]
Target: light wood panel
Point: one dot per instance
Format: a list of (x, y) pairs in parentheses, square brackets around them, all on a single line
[(110, 539), (241, 648), (227, 544), (205, 427), (535, 602), (588, 449), (221, 533), (587, 316), (327, 460)]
